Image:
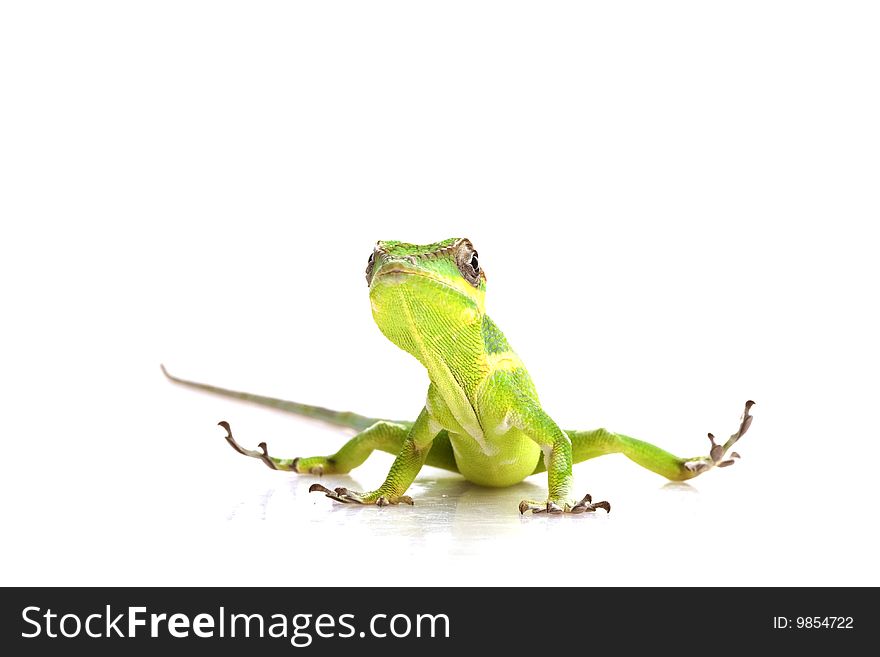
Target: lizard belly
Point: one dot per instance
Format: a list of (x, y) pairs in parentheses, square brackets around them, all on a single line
[(511, 457), (495, 454)]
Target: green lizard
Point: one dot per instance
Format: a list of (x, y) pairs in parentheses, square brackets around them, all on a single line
[(482, 417)]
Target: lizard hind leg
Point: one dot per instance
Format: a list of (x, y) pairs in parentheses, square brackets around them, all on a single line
[(598, 442), (384, 436)]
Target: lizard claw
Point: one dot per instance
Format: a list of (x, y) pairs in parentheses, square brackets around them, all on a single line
[(586, 505), (263, 454), (342, 495), (717, 452), (346, 496)]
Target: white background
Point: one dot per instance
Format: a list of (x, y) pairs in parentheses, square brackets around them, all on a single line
[(675, 204)]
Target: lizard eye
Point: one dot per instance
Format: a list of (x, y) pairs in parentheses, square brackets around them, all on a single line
[(468, 262)]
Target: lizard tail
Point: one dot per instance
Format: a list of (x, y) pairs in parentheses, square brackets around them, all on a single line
[(338, 418)]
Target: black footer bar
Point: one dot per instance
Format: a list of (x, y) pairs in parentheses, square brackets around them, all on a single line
[(431, 620)]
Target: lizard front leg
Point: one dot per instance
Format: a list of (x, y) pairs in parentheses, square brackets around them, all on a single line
[(403, 471), (556, 446)]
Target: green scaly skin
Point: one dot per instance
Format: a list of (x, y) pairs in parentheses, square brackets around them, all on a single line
[(482, 417)]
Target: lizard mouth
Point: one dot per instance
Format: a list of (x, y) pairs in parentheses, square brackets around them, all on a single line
[(399, 271), (395, 270), (396, 273)]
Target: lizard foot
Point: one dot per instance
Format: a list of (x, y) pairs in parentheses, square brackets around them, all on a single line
[(718, 452), (586, 505), (315, 465), (346, 496), (263, 454)]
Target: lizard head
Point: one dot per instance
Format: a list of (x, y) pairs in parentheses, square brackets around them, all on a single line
[(420, 292)]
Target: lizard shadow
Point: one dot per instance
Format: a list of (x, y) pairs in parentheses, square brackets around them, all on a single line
[(679, 487)]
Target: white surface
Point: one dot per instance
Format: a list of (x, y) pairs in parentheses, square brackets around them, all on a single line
[(675, 206)]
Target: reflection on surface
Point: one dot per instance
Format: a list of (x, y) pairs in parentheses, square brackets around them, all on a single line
[(446, 507)]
